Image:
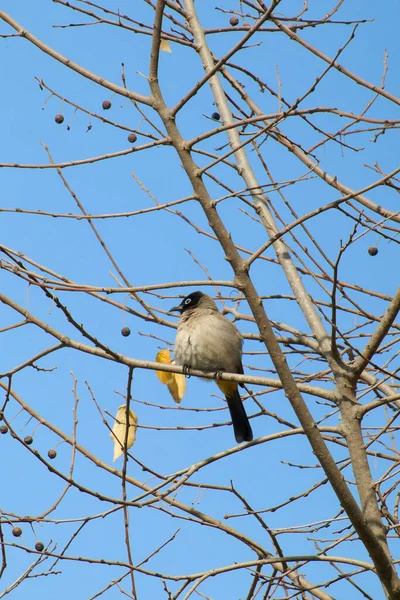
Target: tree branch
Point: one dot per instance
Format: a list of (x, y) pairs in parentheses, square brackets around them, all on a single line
[(117, 89)]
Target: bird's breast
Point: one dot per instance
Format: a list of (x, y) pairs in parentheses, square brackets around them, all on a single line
[(208, 344)]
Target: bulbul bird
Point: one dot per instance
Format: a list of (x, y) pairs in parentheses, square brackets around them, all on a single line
[(208, 341)]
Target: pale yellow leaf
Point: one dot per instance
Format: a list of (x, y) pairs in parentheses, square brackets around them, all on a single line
[(165, 46), (177, 387), (119, 431), (164, 356)]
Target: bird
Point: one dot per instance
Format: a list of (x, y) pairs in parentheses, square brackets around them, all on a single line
[(206, 340)]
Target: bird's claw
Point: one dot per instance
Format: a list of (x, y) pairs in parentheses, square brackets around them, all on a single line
[(186, 369), (217, 375)]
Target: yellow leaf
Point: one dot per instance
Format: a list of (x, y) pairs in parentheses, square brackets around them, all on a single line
[(119, 431), (177, 387), (164, 45), (164, 356), (176, 382)]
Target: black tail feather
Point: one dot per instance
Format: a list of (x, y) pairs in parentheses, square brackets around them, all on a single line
[(240, 422)]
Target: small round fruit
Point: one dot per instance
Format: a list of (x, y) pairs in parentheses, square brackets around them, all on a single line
[(216, 116), (28, 440), (59, 119), (39, 546), (4, 429), (372, 250), (106, 105), (52, 454), (234, 21), (125, 331), (17, 531), (132, 137)]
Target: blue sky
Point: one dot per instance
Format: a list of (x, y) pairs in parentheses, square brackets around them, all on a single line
[(152, 249)]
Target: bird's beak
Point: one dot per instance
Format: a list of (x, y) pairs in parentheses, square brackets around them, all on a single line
[(176, 308)]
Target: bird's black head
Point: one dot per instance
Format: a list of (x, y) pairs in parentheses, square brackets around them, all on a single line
[(189, 302)]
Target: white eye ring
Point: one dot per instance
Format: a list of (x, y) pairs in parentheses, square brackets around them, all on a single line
[(188, 301)]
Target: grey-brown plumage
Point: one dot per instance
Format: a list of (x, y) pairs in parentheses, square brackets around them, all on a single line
[(208, 341)]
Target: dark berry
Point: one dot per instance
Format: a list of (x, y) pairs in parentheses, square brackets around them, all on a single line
[(39, 546), (17, 531), (372, 250), (106, 105), (4, 429), (234, 21), (132, 137), (28, 440), (215, 116), (52, 454), (125, 331), (59, 119)]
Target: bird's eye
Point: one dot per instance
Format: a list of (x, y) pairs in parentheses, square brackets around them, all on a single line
[(188, 301)]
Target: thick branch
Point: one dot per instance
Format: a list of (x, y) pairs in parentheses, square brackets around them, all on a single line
[(259, 200), (361, 469), (71, 64), (378, 553), (215, 68), (66, 341)]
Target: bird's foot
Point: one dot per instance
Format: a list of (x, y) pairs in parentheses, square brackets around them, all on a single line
[(218, 375), (186, 369)]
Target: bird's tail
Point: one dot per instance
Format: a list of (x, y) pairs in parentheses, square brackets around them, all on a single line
[(240, 422)]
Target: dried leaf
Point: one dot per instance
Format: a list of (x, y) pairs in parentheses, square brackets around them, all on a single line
[(165, 46), (164, 356), (177, 387), (176, 382), (119, 431)]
